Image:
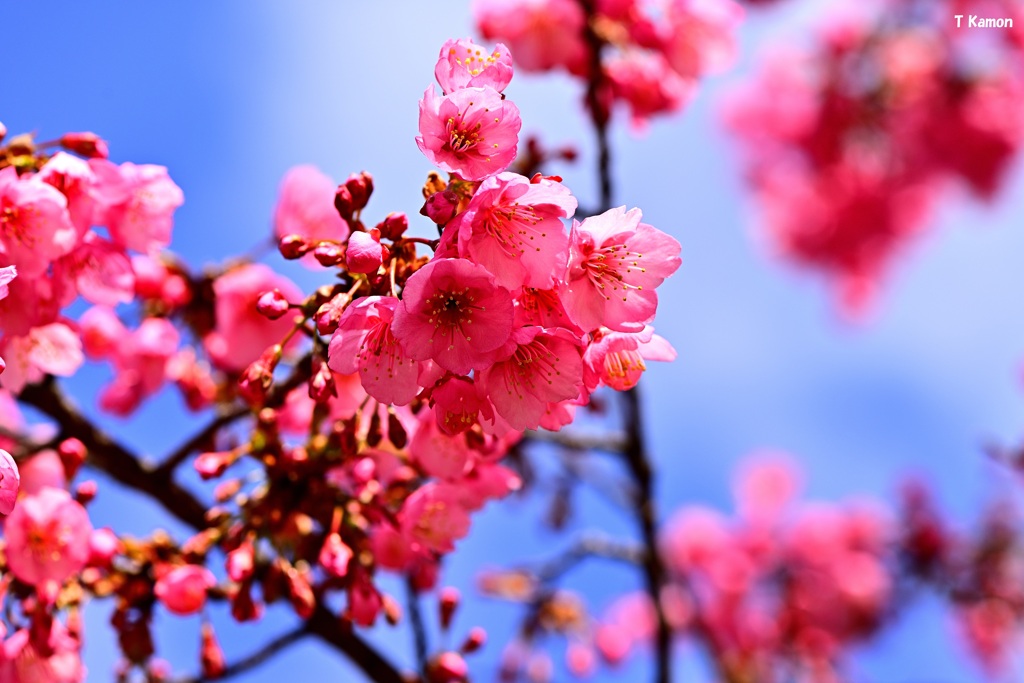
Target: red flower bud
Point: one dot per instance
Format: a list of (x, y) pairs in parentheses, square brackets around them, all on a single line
[(360, 187), (293, 247), (272, 304), (328, 254), (343, 202), (72, 454), (474, 641), (88, 145), (393, 226), (211, 656), (440, 207), (447, 667), (447, 605)]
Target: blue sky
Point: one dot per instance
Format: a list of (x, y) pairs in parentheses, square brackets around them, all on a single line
[(229, 95)]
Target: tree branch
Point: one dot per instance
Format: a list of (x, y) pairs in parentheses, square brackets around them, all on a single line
[(255, 659), (111, 457)]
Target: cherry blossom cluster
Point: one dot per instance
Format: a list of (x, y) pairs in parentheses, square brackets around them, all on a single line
[(851, 143), (656, 51), (784, 589), (358, 427)]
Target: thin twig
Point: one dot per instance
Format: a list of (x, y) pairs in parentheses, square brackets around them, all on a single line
[(419, 631), (255, 659), (614, 443), (635, 453)]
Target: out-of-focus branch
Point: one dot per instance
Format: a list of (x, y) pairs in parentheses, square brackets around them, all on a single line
[(257, 658), (326, 625), (419, 631), (111, 457), (614, 443), (586, 548), (635, 452)]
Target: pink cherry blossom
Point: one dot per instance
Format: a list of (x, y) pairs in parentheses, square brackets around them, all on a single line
[(335, 555), (47, 539), (242, 334), (58, 661), (646, 82), (615, 263), (472, 132), (542, 34), (616, 359), (77, 182), (453, 313), (544, 367), (700, 35), (364, 344), (141, 362), (99, 270), (459, 405), (43, 470), (513, 228), (139, 213), (439, 454), (464, 64), (102, 332), (35, 227), (182, 590), (305, 206), (52, 349), (10, 480), (104, 546), (433, 518)]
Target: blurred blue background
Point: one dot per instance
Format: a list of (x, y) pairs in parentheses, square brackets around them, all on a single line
[(231, 94)]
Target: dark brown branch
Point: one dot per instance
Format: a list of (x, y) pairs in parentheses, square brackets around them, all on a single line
[(419, 631), (328, 627), (255, 659), (111, 457)]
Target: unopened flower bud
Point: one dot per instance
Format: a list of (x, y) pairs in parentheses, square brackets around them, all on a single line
[(89, 145), (72, 454), (104, 546), (243, 607), (272, 304), (86, 491), (393, 226), (293, 247), (364, 254), (360, 187), (392, 610), (447, 605), (3, 131), (329, 313), (329, 254), (474, 641), (259, 376), (240, 562), (447, 667), (335, 555), (343, 202), (212, 464), (211, 656), (321, 384), (440, 207)]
